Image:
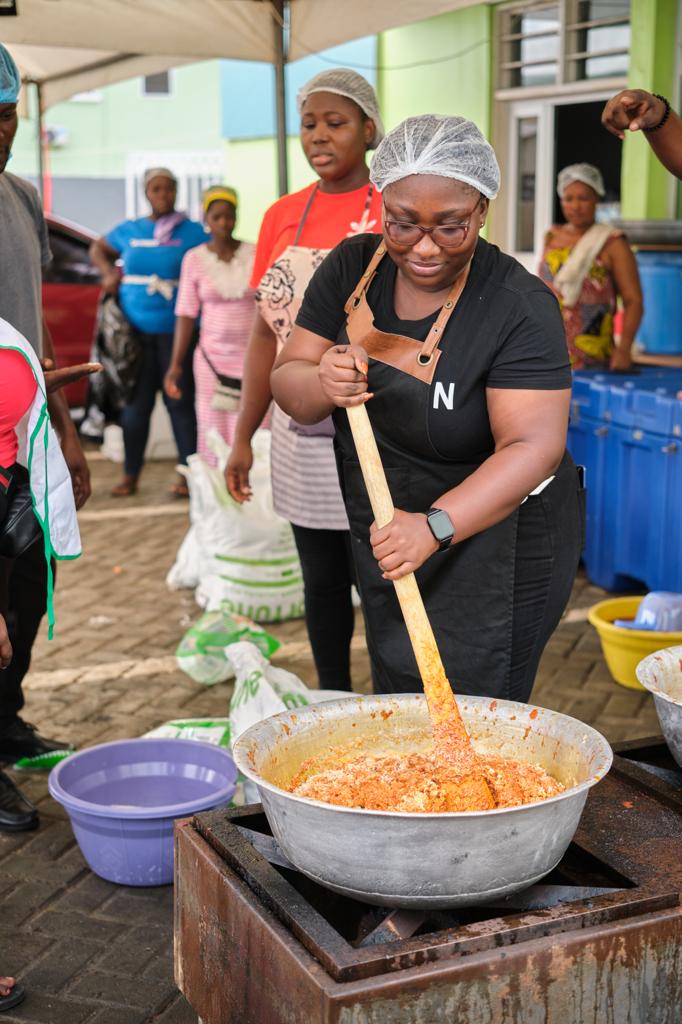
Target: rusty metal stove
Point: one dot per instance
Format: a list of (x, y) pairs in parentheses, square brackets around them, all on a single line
[(598, 942)]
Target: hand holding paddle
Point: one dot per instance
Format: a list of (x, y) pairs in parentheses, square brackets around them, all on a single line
[(450, 736)]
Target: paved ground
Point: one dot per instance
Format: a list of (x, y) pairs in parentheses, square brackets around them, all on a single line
[(94, 953)]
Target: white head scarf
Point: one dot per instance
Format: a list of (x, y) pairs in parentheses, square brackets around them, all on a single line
[(587, 173)]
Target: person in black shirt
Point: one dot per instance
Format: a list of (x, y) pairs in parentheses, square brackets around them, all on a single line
[(462, 359)]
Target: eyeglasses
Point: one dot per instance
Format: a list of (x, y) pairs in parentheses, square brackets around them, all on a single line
[(446, 236)]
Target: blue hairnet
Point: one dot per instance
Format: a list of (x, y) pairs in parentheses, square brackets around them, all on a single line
[(10, 79)]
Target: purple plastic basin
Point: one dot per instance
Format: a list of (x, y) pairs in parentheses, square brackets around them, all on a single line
[(123, 797)]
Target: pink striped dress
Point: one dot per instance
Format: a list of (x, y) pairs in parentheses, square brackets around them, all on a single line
[(218, 292)]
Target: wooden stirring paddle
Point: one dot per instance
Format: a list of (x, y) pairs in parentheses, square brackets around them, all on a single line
[(451, 739)]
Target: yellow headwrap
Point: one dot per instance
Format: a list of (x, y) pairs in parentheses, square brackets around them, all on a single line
[(219, 192)]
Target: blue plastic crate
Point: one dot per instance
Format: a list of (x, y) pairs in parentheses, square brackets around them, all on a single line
[(649, 405), (632, 450), (587, 443), (644, 504), (593, 390)]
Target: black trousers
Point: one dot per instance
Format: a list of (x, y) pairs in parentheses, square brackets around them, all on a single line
[(137, 414), (545, 571), (23, 594), (328, 574)]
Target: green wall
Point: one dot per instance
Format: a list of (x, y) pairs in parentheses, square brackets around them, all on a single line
[(251, 168), (459, 85), (645, 183), (102, 133)]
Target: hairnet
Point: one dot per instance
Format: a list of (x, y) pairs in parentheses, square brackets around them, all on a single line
[(451, 147), (158, 172), (587, 173), (10, 79), (344, 82)]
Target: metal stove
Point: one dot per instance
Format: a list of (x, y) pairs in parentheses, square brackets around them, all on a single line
[(597, 942)]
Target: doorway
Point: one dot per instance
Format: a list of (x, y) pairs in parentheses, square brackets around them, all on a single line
[(545, 135), (579, 137)]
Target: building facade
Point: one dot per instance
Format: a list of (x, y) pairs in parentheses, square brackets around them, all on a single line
[(533, 74)]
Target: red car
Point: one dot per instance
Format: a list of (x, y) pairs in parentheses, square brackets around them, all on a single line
[(70, 293)]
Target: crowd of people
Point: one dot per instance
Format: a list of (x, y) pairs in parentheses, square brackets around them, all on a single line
[(372, 285)]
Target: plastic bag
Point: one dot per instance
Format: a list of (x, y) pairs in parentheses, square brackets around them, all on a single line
[(184, 573), (262, 690), (205, 730), (202, 651), (246, 557)]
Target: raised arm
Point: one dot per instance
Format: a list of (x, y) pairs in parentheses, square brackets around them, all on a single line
[(633, 110)]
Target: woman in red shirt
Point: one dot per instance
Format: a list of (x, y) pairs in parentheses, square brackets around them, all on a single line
[(340, 122)]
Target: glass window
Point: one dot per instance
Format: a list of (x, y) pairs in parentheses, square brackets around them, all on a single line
[(605, 67), (592, 10), (526, 142), (530, 47), (595, 35), (158, 84)]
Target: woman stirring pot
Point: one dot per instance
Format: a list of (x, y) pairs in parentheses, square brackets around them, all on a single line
[(462, 358), (339, 123)]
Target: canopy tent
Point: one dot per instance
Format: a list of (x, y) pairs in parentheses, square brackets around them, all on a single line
[(58, 43)]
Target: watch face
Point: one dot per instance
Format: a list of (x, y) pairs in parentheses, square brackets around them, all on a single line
[(440, 524)]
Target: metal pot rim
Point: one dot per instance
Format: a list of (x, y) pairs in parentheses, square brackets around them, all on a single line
[(241, 760), (642, 675)]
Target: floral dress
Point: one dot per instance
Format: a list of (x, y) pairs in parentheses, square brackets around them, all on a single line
[(589, 323)]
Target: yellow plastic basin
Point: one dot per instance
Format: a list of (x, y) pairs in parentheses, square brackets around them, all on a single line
[(625, 648)]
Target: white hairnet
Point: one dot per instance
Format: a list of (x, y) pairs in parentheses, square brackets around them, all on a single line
[(344, 82), (587, 173), (451, 147), (157, 172)]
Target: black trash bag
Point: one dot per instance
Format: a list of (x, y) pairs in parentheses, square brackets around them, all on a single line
[(117, 347)]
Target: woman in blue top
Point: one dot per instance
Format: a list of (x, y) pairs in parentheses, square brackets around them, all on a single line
[(151, 251)]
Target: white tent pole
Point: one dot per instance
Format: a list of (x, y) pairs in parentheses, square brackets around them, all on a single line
[(39, 139), (280, 97)]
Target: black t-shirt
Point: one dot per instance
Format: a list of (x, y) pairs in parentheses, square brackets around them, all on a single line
[(506, 331)]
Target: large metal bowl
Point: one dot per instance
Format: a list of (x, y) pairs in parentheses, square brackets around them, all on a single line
[(421, 860), (661, 674)]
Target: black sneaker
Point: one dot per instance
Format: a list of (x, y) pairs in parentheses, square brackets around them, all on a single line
[(17, 813), (20, 739)]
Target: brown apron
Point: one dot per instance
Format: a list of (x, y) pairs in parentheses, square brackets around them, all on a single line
[(468, 589)]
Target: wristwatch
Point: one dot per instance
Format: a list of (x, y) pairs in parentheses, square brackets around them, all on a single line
[(441, 527)]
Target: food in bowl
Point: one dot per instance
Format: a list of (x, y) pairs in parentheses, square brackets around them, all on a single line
[(424, 783)]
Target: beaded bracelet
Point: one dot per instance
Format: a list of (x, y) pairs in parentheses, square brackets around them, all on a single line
[(665, 117)]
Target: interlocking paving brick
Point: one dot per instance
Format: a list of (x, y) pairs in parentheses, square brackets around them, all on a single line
[(179, 1013), (57, 923), (20, 949), (60, 964), (137, 949), (122, 990), (39, 1008), (122, 1015)]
